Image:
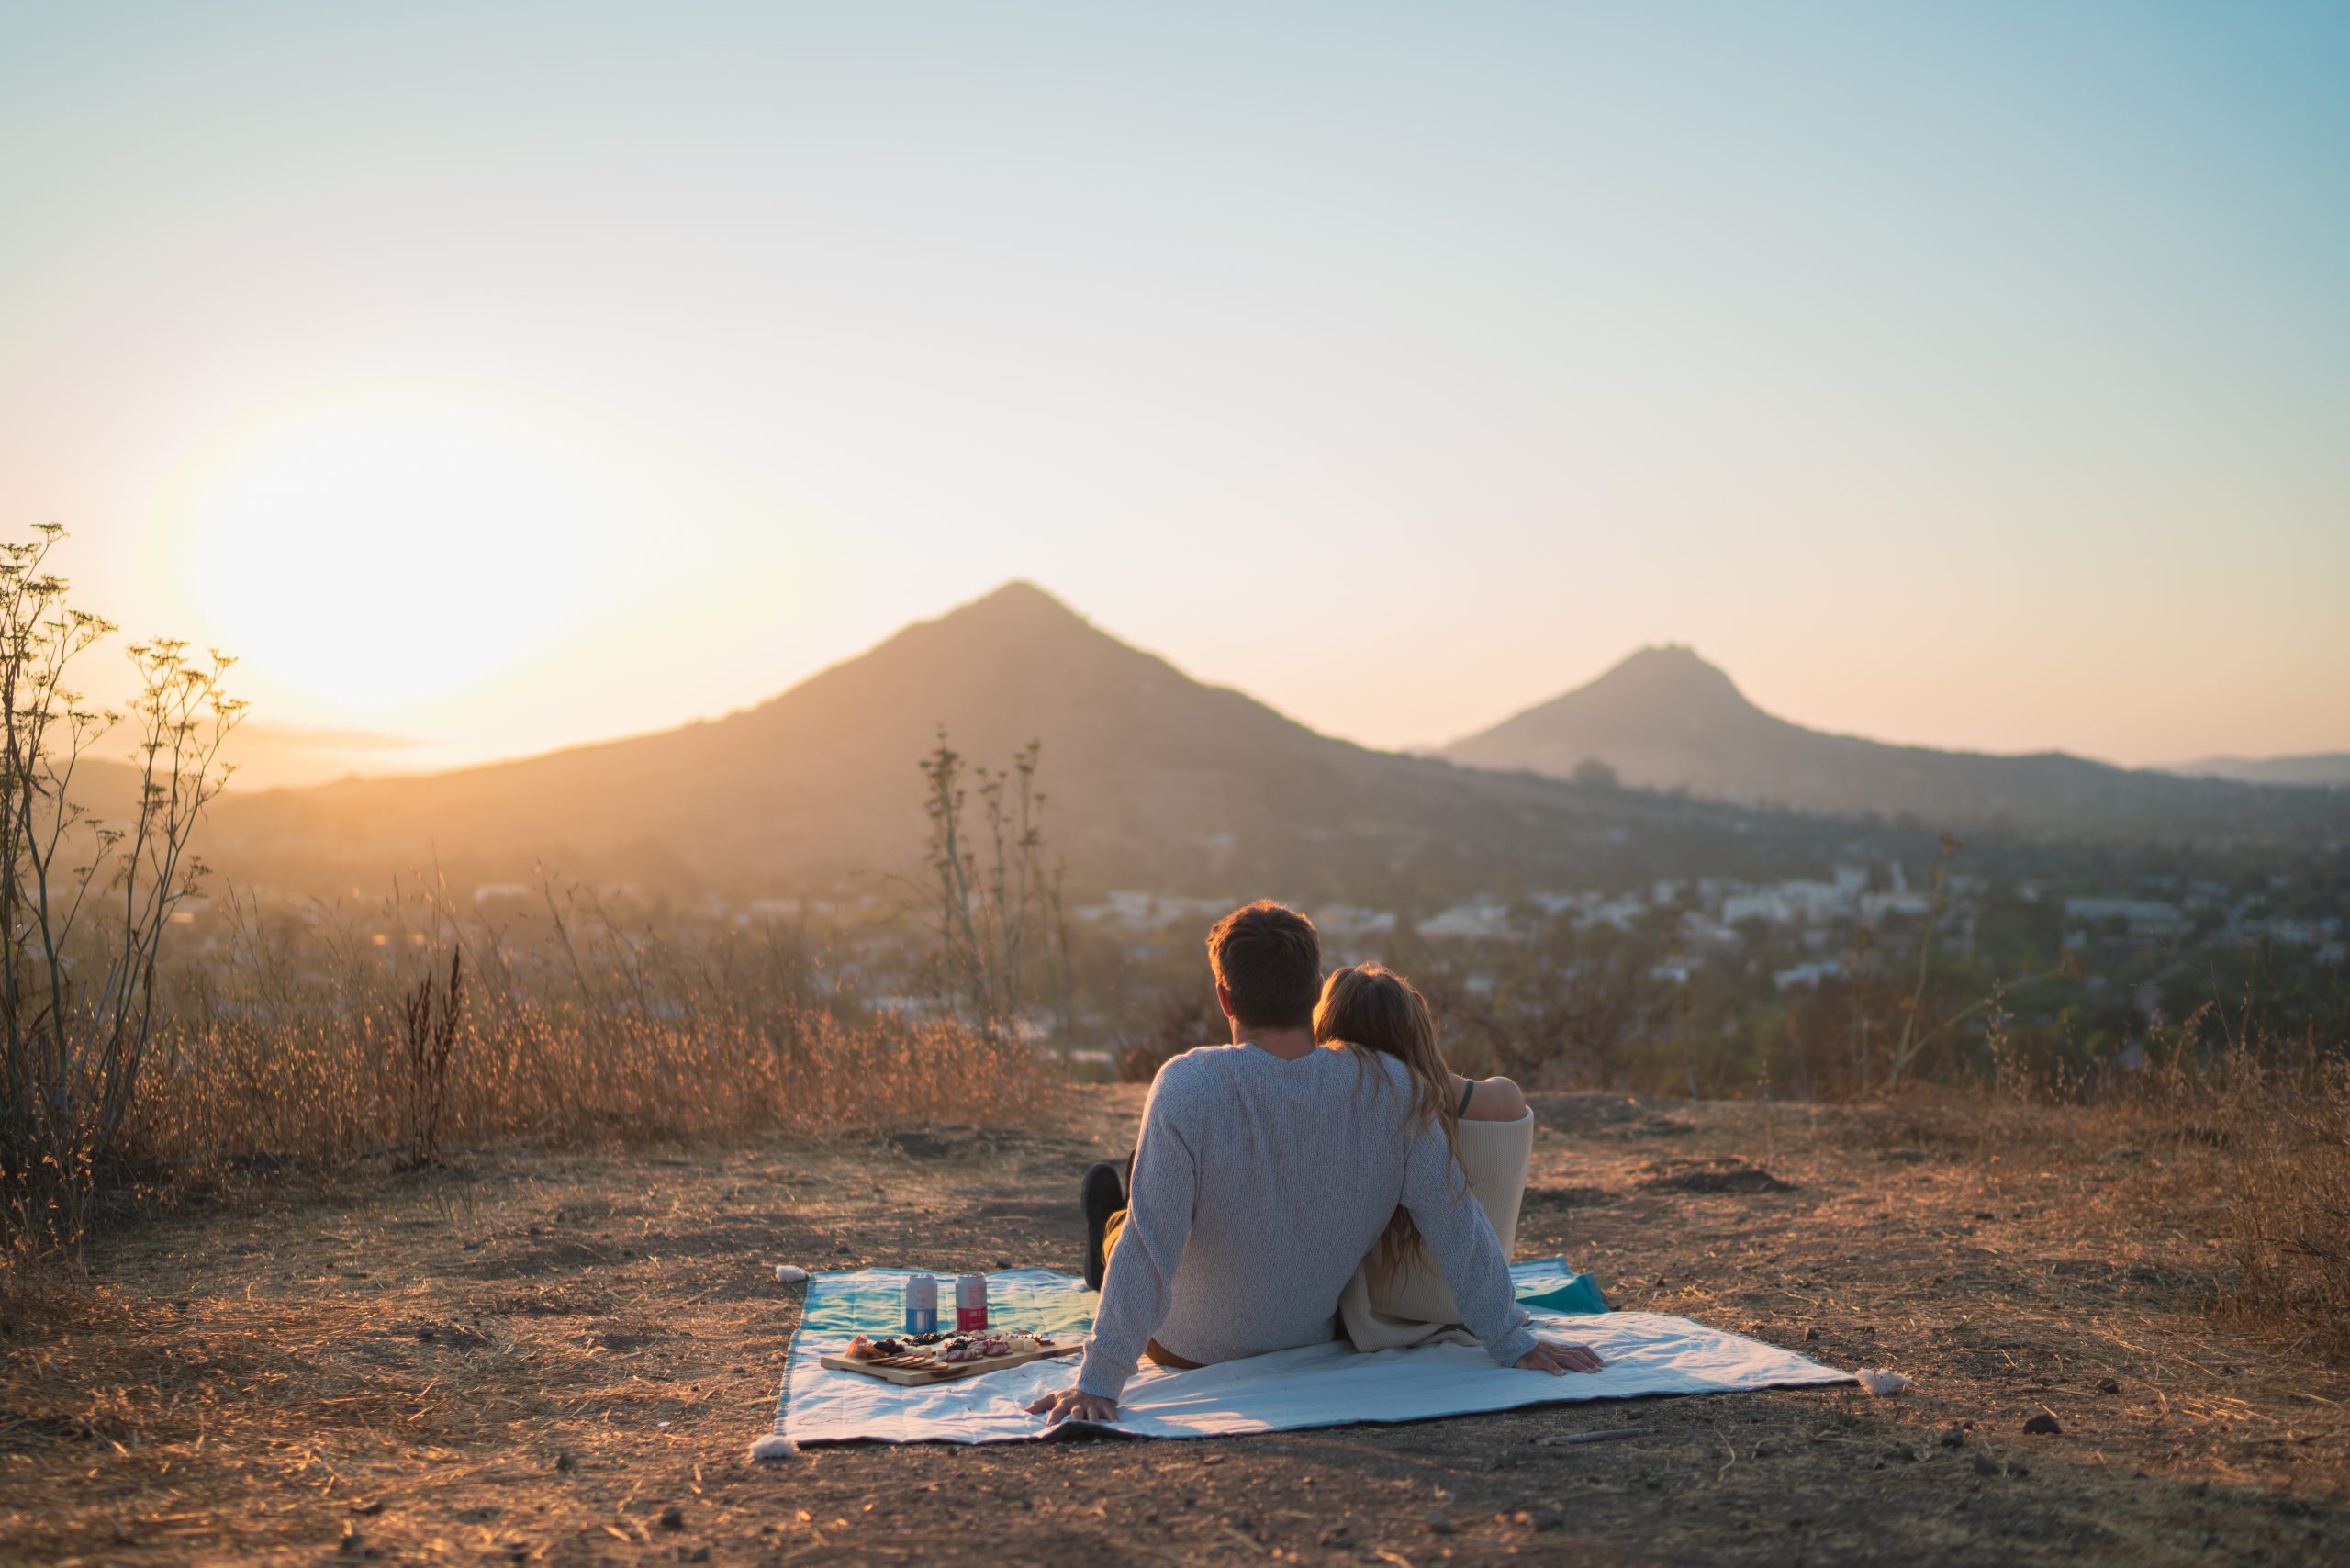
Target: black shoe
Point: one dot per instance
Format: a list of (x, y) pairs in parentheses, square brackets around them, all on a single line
[(1102, 1195)]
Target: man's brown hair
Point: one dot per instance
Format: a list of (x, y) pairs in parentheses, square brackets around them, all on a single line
[(1269, 960)]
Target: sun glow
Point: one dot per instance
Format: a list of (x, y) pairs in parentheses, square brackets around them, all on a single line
[(382, 548)]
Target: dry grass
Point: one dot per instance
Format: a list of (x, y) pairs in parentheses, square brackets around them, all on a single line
[(252, 1422), (229, 1093), (499, 1348), (2278, 1156), (288, 1386), (534, 1355), (2239, 1159), (329, 1038)]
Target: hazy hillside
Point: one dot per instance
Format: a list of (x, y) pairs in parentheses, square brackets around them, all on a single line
[(1154, 778), (1665, 719), (2328, 770)]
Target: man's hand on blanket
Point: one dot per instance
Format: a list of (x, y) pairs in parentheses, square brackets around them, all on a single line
[(1550, 1356), (1071, 1405)]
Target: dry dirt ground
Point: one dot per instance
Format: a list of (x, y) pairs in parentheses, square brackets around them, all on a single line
[(562, 1358)]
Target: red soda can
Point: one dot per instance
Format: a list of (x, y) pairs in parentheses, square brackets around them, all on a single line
[(970, 1303)]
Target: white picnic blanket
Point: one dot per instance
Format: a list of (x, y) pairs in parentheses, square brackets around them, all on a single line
[(1313, 1386)]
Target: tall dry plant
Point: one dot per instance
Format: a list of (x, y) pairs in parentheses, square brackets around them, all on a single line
[(1915, 1038), (429, 1040), (1874, 1028), (1002, 939), (84, 899)]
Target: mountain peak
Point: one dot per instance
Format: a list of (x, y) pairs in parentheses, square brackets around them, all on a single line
[(1017, 614), (1018, 611), (1020, 597), (1640, 718), (1670, 673)]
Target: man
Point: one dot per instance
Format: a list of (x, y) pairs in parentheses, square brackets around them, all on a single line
[(1265, 1171)]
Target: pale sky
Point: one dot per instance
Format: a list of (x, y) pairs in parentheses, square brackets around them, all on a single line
[(499, 376)]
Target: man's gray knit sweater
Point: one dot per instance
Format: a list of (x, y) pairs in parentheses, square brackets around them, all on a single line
[(1259, 1185)]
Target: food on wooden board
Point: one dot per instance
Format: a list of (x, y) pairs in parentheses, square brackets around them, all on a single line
[(909, 1350)]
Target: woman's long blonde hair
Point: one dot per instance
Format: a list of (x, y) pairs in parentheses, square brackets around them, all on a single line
[(1370, 1008)]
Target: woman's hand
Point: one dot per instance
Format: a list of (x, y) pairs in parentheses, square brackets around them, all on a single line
[(1550, 1356), (1072, 1405)]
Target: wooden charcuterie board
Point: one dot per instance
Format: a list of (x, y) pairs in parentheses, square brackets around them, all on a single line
[(946, 1371)]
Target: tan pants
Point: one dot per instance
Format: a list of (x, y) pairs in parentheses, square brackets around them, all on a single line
[(1155, 1350), (1417, 1305)]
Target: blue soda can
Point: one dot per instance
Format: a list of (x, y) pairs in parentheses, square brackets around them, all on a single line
[(921, 1305)]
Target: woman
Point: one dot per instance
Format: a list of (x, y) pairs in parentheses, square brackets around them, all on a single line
[(1397, 1297)]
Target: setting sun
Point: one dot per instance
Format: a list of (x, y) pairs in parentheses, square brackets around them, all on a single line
[(383, 547)]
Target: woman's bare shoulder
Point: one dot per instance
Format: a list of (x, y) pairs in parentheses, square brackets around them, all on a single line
[(1493, 1100)]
